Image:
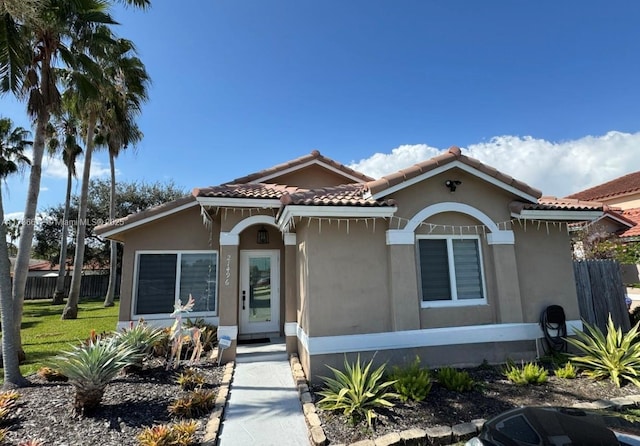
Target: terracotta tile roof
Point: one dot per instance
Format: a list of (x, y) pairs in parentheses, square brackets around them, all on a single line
[(314, 155), (634, 216), (343, 195), (451, 155), (558, 204), (148, 213), (619, 186), (251, 190)]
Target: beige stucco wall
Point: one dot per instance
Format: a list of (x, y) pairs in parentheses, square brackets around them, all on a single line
[(180, 231), (627, 202), (346, 288), (311, 177), (545, 269)]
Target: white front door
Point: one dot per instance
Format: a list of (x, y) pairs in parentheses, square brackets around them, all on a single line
[(259, 291)]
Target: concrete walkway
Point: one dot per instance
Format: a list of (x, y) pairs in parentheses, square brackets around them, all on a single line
[(263, 407)]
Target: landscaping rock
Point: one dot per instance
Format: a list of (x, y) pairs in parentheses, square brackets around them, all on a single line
[(413, 437), (392, 439), (439, 435)]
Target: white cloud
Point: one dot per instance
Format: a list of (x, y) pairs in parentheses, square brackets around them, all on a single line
[(55, 168), (14, 215), (556, 168)]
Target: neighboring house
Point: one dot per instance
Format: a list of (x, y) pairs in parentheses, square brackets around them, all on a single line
[(622, 216), (450, 259)]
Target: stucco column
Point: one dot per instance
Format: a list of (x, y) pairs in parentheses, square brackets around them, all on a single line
[(508, 296), (290, 310), (228, 299), (403, 282)]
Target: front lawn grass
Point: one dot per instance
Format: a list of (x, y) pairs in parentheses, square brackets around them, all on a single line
[(44, 334)]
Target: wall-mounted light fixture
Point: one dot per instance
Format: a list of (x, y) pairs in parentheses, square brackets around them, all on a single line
[(452, 184), (263, 236)]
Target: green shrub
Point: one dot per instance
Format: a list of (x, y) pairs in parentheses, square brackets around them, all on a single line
[(568, 371), (412, 382), (91, 366), (529, 373), (615, 356), (177, 434), (190, 378), (193, 404), (357, 391), (452, 379)]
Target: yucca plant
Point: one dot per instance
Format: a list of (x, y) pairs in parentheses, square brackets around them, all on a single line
[(615, 356), (91, 366), (357, 391), (529, 373)]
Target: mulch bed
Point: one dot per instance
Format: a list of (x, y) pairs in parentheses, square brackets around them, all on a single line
[(493, 394), (131, 403)]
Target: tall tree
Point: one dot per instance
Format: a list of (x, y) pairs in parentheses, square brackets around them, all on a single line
[(122, 100), (13, 143), (64, 138), (29, 46)]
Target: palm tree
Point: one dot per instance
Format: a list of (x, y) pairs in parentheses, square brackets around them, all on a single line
[(118, 88), (118, 129), (66, 131), (29, 46), (28, 70), (13, 143)]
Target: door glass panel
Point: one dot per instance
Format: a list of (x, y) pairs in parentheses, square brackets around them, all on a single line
[(259, 289)]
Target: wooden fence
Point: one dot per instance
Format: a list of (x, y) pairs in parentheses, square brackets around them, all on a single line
[(91, 285), (601, 292)]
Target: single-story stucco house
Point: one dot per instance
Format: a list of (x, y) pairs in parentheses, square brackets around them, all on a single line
[(450, 259)]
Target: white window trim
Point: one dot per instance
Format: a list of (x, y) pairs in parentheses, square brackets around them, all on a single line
[(454, 301), (195, 314)]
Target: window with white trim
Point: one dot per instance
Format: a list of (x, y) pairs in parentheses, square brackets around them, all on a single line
[(164, 276), (450, 270)]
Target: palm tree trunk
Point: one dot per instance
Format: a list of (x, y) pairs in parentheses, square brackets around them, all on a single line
[(71, 309), (58, 296), (12, 376), (21, 268), (113, 251)]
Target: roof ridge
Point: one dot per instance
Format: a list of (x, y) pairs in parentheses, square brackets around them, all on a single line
[(314, 155)]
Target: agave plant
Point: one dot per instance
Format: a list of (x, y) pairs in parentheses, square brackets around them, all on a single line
[(141, 339), (91, 366), (615, 356), (357, 391)]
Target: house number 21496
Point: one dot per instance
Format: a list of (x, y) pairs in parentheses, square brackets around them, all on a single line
[(227, 271)]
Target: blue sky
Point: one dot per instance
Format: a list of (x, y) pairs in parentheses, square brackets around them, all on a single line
[(547, 91)]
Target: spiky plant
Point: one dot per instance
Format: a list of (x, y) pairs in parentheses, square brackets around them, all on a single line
[(615, 355), (91, 366), (357, 391), (141, 339), (529, 373), (193, 404), (190, 378), (177, 434)]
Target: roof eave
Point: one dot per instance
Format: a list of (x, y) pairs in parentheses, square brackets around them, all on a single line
[(556, 215), (291, 211), (239, 202)]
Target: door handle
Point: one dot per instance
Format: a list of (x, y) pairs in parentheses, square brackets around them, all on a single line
[(244, 298)]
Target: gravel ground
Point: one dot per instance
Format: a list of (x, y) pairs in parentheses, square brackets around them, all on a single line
[(493, 395), (131, 403)]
